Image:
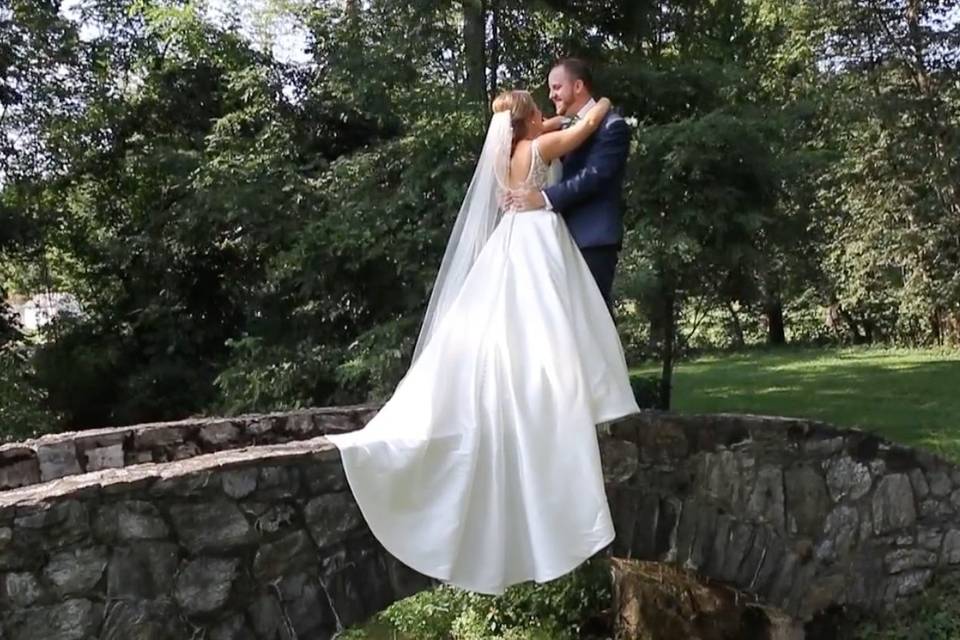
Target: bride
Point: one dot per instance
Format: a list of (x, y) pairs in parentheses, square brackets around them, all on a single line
[(483, 469)]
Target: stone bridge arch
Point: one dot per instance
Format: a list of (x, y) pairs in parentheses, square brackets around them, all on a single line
[(243, 528)]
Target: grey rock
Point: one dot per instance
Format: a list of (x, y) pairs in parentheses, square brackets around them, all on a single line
[(215, 525), (186, 451), (306, 606), (620, 460), (143, 620), (766, 500), (109, 457), (723, 480), (940, 485), (276, 518), (77, 571), (239, 483), (277, 483), (784, 578), (19, 474), (70, 620), (824, 447), (930, 540), (258, 428), (907, 584), (841, 530), (56, 525), (57, 460), (919, 482), (219, 433), (292, 552), (950, 552), (130, 520), (158, 436), (203, 585), (740, 540), (268, 618), (955, 499), (935, 509), (325, 477), (847, 478), (866, 520), (21, 589), (199, 484), (301, 424), (893, 505), (233, 627), (901, 560), (878, 467), (807, 500), (142, 571), (331, 518)]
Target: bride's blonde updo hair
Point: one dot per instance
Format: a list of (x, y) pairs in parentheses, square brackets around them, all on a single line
[(521, 106)]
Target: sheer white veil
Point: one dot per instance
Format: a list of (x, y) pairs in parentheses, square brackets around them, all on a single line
[(476, 220)]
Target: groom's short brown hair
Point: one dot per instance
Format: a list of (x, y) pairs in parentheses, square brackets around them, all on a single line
[(578, 70)]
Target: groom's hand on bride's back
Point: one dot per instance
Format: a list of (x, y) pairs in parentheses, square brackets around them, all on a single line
[(523, 200)]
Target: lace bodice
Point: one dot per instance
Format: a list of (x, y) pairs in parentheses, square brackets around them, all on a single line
[(542, 173)]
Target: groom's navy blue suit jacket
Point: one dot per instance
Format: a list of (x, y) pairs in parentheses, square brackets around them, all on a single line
[(589, 197)]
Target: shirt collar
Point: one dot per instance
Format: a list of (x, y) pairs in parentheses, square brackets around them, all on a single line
[(586, 108)]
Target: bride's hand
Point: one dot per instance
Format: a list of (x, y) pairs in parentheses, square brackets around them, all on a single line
[(553, 124)]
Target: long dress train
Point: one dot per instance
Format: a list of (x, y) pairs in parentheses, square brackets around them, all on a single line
[(483, 469)]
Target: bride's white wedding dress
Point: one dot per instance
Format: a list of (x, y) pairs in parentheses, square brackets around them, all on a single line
[(483, 469)]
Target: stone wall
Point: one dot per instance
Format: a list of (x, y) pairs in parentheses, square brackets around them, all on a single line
[(264, 543), (803, 516), (208, 537), (65, 454)]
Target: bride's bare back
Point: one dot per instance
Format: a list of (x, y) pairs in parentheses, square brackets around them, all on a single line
[(520, 164)]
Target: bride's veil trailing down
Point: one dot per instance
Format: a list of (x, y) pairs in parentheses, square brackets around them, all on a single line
[(476, 220)]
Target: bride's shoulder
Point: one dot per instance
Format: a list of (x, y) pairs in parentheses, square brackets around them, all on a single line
[(523, 149)]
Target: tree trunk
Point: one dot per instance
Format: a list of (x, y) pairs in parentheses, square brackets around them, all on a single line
[(936, 325), (776, 334), (474, 47), (738, 339), (668, 302), (853, 326), (494, 46), (661, 602)]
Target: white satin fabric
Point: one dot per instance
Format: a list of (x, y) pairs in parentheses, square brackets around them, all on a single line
[(483, 469)]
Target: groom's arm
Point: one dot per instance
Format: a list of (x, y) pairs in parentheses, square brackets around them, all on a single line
[(605, 161)]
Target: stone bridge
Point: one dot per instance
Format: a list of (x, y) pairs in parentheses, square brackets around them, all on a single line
[(244, 529)]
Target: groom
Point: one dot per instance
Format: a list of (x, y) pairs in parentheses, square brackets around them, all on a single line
[(589, 195)]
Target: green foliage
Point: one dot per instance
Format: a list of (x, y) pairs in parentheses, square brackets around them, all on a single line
[(246, 234), (23, 410), (934, 615), (646, 390), (555, 610)]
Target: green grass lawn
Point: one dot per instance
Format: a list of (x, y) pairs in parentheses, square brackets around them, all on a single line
[(910, 396)]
